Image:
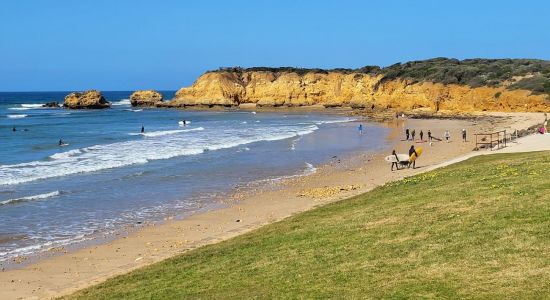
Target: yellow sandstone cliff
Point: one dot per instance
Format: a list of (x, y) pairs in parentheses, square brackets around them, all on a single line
[(266, 88)]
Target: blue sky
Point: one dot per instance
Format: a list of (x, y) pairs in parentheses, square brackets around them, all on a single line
[(127, 45)]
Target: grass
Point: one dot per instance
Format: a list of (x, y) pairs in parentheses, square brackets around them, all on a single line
[(477, 229)]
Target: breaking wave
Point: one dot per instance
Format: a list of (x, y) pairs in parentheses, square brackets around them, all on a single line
[(158, 145), (16, 116), (30, 198)]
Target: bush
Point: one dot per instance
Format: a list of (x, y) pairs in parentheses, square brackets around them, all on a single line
[(472, 72)]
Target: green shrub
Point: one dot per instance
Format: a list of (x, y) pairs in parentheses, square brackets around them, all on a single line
[(472, 72)]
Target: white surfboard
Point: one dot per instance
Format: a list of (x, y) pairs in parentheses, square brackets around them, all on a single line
[(401, 157)]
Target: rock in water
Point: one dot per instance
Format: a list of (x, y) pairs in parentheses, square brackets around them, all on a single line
[(53, 104), (87, 99), (146, 98)]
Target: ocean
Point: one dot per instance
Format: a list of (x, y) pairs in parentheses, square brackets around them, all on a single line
[(110, 176)]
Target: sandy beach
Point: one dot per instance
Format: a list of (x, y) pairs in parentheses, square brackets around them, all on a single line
[(248, 209)]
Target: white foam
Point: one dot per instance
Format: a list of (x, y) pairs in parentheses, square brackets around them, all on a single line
[(66, 154), (44, 246), (158, 145), (309, 170), (34, 105), (343, 120), (294, 142), (30, 198), (166, 132), (16, 116), (28, 106), (122, 102)]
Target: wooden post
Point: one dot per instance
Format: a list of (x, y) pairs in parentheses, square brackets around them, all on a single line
[(505, 138)]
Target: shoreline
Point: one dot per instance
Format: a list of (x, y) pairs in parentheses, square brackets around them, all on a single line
[(338, 179)]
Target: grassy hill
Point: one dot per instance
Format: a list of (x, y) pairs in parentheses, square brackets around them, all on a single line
[(527, 74), (477, 229)]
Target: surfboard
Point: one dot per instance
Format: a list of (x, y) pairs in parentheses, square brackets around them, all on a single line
[(418, 151), (64, 144), (392, 158), (184, 124)]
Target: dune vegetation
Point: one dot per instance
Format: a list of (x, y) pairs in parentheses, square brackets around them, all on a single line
[(525, 74)]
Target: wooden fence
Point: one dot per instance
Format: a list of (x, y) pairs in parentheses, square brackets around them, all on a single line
[(492, 141)]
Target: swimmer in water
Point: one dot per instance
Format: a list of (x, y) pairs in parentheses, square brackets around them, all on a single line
[(142, 129)]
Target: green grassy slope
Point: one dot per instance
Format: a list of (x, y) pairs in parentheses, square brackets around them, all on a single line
[(477, 229)]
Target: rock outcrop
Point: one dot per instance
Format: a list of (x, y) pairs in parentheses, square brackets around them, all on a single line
[(53, 104), (87, 100), (146, 98), (356, 90)]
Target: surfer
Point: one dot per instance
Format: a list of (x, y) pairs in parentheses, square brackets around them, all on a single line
[(396, 161), (142, 129), (360, 128), (61, 143), (421, 135), (13, 129), (411, 152)]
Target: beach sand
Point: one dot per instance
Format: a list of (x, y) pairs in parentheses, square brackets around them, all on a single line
[(248, 209)]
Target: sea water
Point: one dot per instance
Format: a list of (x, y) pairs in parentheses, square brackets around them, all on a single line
[(110, 175)]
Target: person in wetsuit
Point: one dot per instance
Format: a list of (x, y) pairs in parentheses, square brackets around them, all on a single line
[(411, 152), (396, 164)]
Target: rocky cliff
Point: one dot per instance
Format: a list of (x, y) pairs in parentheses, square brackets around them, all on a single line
[(88, 99), (146, 98), (385, 89)]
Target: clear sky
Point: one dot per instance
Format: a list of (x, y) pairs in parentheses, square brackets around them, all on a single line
[(166, 44)]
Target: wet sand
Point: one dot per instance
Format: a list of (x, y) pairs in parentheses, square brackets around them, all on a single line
[(248, 209)]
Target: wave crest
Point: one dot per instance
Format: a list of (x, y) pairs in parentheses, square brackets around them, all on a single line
[(31, 198)]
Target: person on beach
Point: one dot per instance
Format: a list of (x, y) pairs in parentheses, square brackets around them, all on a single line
[(421, 135), (142, 129), (464, 135), (360, 128), (429, 135), (413, 134), (411, 152), (407, 133), (447, 135), (396, 163)]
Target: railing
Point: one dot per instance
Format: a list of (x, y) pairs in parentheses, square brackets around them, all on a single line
[(493, 141)]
